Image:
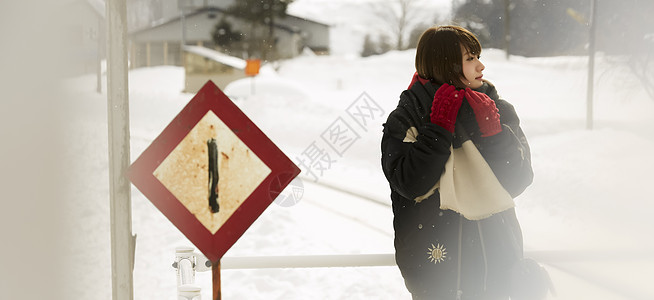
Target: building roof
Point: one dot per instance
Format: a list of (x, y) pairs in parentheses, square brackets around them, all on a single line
[(209, 10), (187, 15), (306, 20), (214, 55)]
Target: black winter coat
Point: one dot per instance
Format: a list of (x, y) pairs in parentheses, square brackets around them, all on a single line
[(442, 254)]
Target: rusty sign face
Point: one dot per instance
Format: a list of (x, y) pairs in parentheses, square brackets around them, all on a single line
[(212, 172)]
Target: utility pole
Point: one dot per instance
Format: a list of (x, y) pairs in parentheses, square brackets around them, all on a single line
[(182, 53), (183, 23), (122, 241), (591, 64), (507, 27), (102, 41)]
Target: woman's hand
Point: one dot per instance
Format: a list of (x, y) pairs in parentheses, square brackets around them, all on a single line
[(445, 106), (486, 113)]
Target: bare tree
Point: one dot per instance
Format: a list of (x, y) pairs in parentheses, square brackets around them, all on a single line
[(641, 65), (399, 16)]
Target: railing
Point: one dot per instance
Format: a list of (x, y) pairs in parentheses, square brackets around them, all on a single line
[(187, 262), (308, 261)]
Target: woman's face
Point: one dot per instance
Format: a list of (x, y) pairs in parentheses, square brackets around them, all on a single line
[(472, 68)]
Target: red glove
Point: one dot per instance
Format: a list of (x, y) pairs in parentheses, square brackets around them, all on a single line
[(447, 102), (486, 113)]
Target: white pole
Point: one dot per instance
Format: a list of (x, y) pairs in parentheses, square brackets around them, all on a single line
[(189, 292), (184, 262), (186, 272), (308, 261), (591, 65), (122, 241)]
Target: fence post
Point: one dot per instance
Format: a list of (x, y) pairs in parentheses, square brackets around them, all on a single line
[(122, 241)]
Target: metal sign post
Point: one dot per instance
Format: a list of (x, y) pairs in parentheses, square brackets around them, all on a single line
[(215, 279)]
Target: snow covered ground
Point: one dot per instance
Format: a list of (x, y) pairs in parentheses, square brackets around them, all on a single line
[(586, 217)]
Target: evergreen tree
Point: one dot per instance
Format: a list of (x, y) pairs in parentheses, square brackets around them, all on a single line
[(538, 27), (224, 36), (261, 15)]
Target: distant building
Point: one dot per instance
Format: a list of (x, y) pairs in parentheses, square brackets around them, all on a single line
[(160, 42)]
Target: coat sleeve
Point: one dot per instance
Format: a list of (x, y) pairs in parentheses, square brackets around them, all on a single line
[(413, 164), (508, 153)]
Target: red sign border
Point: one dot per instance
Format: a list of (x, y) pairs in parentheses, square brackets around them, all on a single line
[(283, 170)]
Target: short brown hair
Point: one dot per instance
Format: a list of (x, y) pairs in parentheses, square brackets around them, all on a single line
[(438, 55)]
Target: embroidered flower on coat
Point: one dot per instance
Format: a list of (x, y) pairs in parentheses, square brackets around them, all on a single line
[(437, 253)]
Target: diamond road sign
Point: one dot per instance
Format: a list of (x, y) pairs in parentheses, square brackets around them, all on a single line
[(212, 172)]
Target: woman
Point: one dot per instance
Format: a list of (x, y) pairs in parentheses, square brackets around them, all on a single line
[(455, 157)]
